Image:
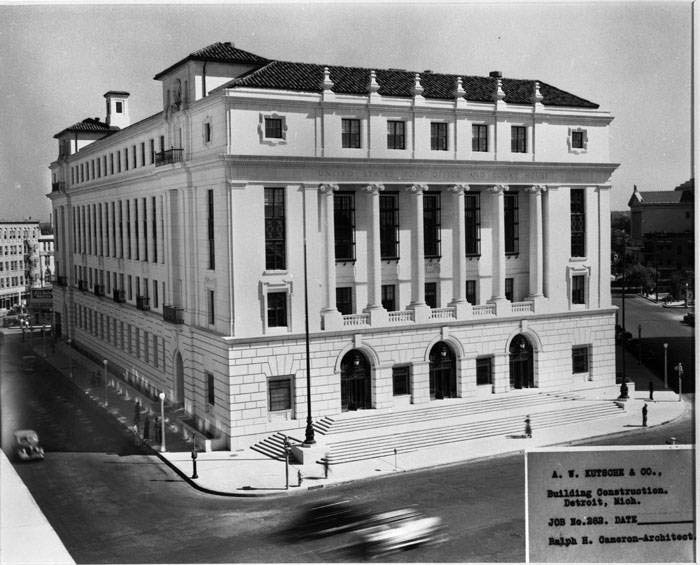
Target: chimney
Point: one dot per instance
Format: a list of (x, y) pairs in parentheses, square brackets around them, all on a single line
[(117, 108), (496, 74)]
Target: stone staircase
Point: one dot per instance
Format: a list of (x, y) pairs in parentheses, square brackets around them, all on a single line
[(368, 434)]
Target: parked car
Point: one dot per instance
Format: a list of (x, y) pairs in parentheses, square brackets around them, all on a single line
[(400, 529), (689, 319), (27, 445)]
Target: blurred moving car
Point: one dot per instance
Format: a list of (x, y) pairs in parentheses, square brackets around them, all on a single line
[(27, 445), (400, 529), (326, 518), (689, 319)]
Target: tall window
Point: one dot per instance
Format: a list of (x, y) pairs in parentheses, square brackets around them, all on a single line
[(389, 297), (484, 373), (275, 258), (431, 224), (276, 309), (471, 292), (480, 140), (210, 308), (207, 132), (344, 220), (273, 128), (128, 232), (389, 225), (280, 394), (511, 223), (126, 158), (431, 294), (578, 223), (152, 150), (518, 139), (578, 289), (155, 294), (343, 300), (154, 229), (401, 377), (111, 163), (579, 359), (472, 224), (210, 388), (136, 227), (350, 133), (509, 289), (396, 135), (210, 227), (143, 153), (438, 136), (145, 229)]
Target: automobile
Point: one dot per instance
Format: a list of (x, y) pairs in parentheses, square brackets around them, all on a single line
[(689, 319), (400, 529), (27, 445), (328, 517)]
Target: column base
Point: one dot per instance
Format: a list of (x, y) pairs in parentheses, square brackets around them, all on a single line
[(462, 308), (332, 320), (378, 316), (502, 306), (537, 302), (421, 312), (309, 454)]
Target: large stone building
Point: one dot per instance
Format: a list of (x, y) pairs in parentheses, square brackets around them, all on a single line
[(19, 261), (456, 228)]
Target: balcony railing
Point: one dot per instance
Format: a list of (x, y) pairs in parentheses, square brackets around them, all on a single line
[(82, 285), (355, 320), (143, 303), (173, 314), (58, 186), (401, 316), (522, 307), (484, 310), (98, 289), (169, 156), (449, 313), (118, 295)]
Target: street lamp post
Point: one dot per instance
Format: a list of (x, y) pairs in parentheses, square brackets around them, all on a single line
[(162, 421), (665, 365), (104, 362), (194, 456), (309, 434)]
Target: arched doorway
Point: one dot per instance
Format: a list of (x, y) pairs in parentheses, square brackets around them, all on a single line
[(521, 363), (179, 379), (355, 379), (443, 371)]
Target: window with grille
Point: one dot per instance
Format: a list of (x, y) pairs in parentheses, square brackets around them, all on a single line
[(578, 223), (276, 309), (431, 294), (280, 394), (389, 225), (510, 203), (343, 300), (472, 224), (274, 128), (480, 140), (389, 297), (350, 133), (578, 289), (275, 240), (401, 377), (344, 220), (579, 359), (431, 225), (438, 136), (484, 371), (396, 135), (518, 139)]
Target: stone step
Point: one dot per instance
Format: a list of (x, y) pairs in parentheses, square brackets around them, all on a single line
[(273, 446)]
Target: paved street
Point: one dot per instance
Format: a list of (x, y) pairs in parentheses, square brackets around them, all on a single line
[(110, 502)]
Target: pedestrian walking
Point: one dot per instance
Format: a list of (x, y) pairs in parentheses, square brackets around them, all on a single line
[(146, 427), (528, 428), (326, 465), (651, 390), (644, 415)]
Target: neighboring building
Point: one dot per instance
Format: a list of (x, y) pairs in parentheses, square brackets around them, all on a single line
[(19, 261), (662, 234), (46, 250), (457, 232)]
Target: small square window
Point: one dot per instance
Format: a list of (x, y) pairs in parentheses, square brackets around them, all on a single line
[(273, 128), (351, 133), (577, 140), (401, 377)]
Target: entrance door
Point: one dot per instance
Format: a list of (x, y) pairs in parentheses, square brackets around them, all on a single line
[(355, 379), (521, 363), (443, 372), (180, 379)]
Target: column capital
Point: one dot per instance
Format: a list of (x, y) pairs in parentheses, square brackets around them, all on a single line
[(374, 188), (328, 189), (457, 188), (417, 188), (536, 188), (498, 188)]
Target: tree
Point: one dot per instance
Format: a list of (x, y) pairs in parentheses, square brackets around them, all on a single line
[(639, 275)]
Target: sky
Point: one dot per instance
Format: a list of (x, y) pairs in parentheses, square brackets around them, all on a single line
[(631, 58)]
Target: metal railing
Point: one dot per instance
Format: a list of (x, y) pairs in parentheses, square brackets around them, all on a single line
[(143, 303), (118, 295), (173, 314), (98, 290), (169, 156), (58, 186)]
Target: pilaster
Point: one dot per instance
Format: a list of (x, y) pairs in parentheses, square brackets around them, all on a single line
[(420, 382), (331, 318), (374, 260), (418, 305), (536, 243), (501, 373), (499, 248)]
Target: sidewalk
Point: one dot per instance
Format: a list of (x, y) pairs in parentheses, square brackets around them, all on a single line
[(245, 472)]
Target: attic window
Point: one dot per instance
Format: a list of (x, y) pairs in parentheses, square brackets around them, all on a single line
[(118, 107), (273, 128), (578, 140)]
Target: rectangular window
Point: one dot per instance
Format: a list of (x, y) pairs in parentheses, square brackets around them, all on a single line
[(577, 140), (154, 229), (389, 225), (210, 389), (155, 350), (471, 292), (126, 158), (273, 128), (431, 225), (143, 153), (210, 227), (510, 203), (210, 307), (350, 133), (431, 294), (438, 136), (113, 209), (155, 294), (389, 297), (401, 377), (92, 169), (207, 132), (396, 135), (111, 163), (484, 373), (128, 231), (136, 228), (518, 139), (146, 347), (579, 359), (480, 140), (275, 231), (119, 161), (276, 309), (472, 224), (343, 300), (578, 223), (509, 289), (344, 220), (133, 156), (129, 288), (280, 394), (99, 168), (578, 289), (152, 149), (145, 229)]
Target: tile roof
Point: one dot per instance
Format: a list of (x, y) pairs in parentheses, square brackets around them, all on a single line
[(660, 197), (306, 77), (221, 53), (89, 125)]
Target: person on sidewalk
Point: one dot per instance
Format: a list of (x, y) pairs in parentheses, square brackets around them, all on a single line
[(651, 390), (326, 465), (644, 415), (158, 430), (146, 428), (528, 428)]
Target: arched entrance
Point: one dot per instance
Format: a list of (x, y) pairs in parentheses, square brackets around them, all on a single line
[(179, 379), (521, 363), (355, 379), (443, 371)]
